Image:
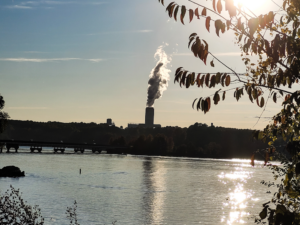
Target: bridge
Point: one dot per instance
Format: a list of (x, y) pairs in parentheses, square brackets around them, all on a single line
[(60, 146)]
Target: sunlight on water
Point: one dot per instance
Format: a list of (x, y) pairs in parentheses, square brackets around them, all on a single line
[(158, 181), (238, 198), (136, 190)]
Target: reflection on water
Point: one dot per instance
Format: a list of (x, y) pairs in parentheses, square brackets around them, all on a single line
[(140, 190), (238, 198), (154, 196)]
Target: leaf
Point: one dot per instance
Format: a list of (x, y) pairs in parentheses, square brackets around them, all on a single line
[(214, 4), (216, 98), (162, 2), (219, 6), (262, 102), (227, 81), (183, 11), (171, 10), (191, 39), (193, 78), (223, 97), (203, 12), (280, 209), (178, 76), (218, 25), (197, 13), (202, 80), (177, 70), (228, 23), (212, 63), (223, 79), (212, 81), (183, 78), (207, 79), (229, 6), (203, 104), (192, 35), (208, 103), (253, 25), (191, 14), (218, 78), (207, 23), (199, 104), (194, 103), (263, 214), (188, 81), (175, 12), (274, 97), (169, 6)]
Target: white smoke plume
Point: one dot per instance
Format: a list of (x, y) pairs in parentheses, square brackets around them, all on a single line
[(159, 76)]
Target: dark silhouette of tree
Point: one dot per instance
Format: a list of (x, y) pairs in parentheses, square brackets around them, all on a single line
[(3, 115)]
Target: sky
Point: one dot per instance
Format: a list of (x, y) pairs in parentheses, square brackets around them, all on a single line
[(89, 60)]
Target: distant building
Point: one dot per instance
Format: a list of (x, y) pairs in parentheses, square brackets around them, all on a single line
[(142, 125), (109, 121), (133, 125), (201, 124)]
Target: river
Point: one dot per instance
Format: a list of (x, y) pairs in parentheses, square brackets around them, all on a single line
[(138, 189)]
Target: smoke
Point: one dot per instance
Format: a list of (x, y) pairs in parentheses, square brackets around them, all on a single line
[(159, 77)]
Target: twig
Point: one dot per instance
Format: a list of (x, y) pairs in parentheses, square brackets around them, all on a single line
[(263, 109)]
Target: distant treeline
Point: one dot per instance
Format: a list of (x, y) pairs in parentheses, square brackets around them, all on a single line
[(198, 140)]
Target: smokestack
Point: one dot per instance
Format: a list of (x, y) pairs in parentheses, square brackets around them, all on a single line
[(149, 117)]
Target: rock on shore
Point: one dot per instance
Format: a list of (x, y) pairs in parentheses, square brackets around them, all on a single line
[(11, 171)]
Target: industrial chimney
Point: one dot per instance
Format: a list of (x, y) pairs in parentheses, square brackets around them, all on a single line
[(149, 117)]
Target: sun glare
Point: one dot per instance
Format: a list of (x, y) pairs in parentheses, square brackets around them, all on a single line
[(253, 4)]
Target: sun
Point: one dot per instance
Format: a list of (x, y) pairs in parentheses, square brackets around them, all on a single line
[(251, 4)]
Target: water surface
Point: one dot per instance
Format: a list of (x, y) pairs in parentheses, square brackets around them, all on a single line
[(139, 190)]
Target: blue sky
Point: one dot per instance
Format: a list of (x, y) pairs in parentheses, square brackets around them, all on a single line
[(90, 60)]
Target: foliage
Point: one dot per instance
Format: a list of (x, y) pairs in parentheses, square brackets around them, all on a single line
[(14, 210), (276, 51), (188, 142), (72, 214), (273, 40), (3, 115)]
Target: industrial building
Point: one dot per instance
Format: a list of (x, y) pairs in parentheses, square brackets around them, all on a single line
[(149, 120)]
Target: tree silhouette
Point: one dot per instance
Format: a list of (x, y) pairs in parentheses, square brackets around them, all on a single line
[(3, 115)]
